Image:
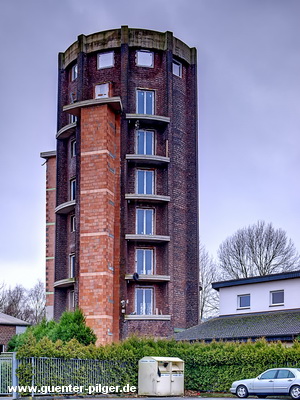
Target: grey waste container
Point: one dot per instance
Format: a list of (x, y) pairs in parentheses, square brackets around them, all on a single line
[(161, 376)]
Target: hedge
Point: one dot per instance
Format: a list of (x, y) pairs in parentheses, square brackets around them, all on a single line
[(208, 367)]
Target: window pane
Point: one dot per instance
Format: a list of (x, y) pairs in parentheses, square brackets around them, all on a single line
[(106, 60), (140, 222), (141, 180), (269, 374), (149, 143), (101, 91), (141, 142), (176, 68), (148, 301), (278, 297), (244, 301), (145, 58), (149, 182), (139, 302), (149, 219), (149, 261), (149, 102), (140, 261), (140, 102)]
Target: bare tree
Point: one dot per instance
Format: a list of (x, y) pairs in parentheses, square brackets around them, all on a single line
[(209, 299), (258, 249), (28, 305)]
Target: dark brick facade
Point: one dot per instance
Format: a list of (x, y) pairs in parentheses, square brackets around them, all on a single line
[(6, 333), (105, 134)]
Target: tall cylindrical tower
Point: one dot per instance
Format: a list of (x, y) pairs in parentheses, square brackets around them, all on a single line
[(126, 231)]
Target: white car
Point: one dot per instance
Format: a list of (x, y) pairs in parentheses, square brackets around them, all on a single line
[(273, 382)]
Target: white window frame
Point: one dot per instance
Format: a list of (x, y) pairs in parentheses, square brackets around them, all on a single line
[(102, 90), (145, 91), (179, 65), (140, 58), (73, 189), (144, 220), (72, 261), (73, 148), (144, 311), (106, 63), (145, 141), (74, 72), (144, 250), (239, 297), (145, 172), (73, 222), (271, 297)]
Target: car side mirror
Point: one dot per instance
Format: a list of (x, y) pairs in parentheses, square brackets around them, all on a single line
[(259, 376)]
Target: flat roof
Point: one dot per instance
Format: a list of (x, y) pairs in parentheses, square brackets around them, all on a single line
[(256, 279)]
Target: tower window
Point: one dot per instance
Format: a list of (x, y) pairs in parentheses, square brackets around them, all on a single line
[(71, 300), (144, 261), (177, 68), (144, 301), (72, 189), (106, 60), (72, 223), (73, 148), (74, 72), (72, 266), (102, 90), (145, 181), (144, 58), (145, 142), (144, 221), (145, 102), (72, 118)]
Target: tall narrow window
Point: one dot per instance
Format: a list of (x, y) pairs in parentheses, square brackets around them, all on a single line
[(144, 221), (145, 102), (72, 118), (177, 68), (106, 60), (72, 189), (72, 266), (144, 301), (145, 181), (144, 261), (72, 223), (71, 300), (73, 148), (144, 58), (74, 72), (145, 142)]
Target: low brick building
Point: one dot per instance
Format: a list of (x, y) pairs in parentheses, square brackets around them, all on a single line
[(125, 182), (9, 327)]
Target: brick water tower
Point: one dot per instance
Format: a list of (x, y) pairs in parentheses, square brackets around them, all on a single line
[(122, 186)]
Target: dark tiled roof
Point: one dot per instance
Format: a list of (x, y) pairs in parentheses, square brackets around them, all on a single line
[(9, 320), (257, 279), (274, 325)]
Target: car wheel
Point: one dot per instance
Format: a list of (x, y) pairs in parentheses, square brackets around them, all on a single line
[(295, 392), (242, 392)]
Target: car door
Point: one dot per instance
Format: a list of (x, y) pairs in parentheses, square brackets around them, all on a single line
[(265, 382), (283, 381)]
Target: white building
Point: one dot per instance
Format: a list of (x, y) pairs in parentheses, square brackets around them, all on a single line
[(251, 308)]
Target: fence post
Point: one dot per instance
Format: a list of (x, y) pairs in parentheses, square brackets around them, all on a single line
[(15, 379)]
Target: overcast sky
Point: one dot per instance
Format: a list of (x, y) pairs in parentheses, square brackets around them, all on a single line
[(249, 111)]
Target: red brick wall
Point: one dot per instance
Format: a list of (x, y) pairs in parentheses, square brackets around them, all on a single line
[(6, 333), (99, 220)]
